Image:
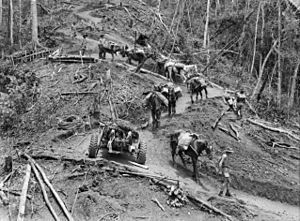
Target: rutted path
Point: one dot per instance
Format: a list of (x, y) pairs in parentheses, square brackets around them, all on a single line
[(159, 160)]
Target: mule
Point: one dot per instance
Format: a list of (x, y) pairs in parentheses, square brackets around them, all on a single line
[(112, 49), (156, 107), (194, 150), (196, 87), (136, 55)]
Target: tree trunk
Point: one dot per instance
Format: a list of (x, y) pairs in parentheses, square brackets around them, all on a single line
[(206, 25), (34, 22), (279, 57), (261, 71), (293, 86), (20, 23), (218, 6), (263, 24), (11, 22), (0, 14), (255, 37)]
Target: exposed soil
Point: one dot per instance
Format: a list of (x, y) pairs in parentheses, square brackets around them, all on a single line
[(265, 179)]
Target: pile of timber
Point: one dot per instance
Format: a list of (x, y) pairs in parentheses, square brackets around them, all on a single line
[(28, 55), (72, 59)]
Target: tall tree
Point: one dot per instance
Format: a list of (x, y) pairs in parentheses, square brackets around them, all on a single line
[(255, 93), (11, 22), (34, 31), (293, 86), (279, 83), (206, 25), (20, 22), (255, 37), (0, 14)]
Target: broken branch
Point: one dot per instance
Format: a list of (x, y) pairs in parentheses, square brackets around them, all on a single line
[(23, 194)]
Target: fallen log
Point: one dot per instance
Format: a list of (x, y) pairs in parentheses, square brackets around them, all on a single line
[(283, 145), (295, 157), (139, 165), (227, 132), (147, 72), (42, 185), (3, 197), (75, 175), (13, 192), (78, 93), (217, 121), (235, 131), (46, 180), (158, 203), (278, 130), (196, 201), (148, 176), (23, 194)]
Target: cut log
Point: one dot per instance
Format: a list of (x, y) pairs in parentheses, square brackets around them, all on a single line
[(139, 165), (23, 194), (46, 180), (42, 185), (197, 201), (278, 130)]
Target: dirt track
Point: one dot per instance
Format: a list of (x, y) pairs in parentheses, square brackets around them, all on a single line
[(244, 205), (159, 157)]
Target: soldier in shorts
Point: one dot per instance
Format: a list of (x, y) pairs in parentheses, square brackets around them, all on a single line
[(224, 170)]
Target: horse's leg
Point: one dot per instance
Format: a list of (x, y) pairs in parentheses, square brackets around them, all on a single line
[(192, 97), (174, 147), (180, 153), (205, 90), (200, 92), (112, 56), (153, 118), (195, 174)]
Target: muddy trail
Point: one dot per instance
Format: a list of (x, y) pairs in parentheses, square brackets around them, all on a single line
[(159, 155), (262, 181)]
